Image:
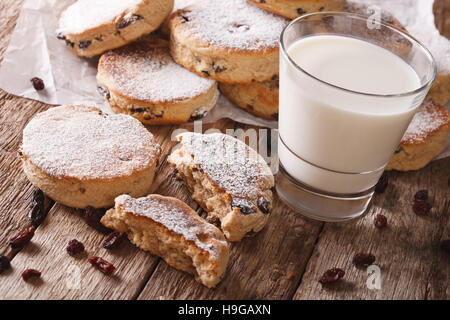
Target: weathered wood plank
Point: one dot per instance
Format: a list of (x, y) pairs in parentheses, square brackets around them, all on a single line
[(407, 252)]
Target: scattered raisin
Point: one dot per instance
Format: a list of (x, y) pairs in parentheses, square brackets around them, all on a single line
[(102, 265), (30, 273), (92, 218), (84, 44), (264, 205), (301, 11), (37, 212), (23, 238), (421, 208), (113, 240), (380, 221), (74, 247), (363, 259), (5, 263), (382, 183), (332, 275), (445, 245), (244, 205), (38, 83), (206, 72), (421, 195)]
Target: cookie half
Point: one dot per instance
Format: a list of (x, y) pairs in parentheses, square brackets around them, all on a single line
[(231, 181), (169, 228), (143, 81), (80, 156), (424, 139), (260, 98), (90, 27), (229, 41), (292, 9)]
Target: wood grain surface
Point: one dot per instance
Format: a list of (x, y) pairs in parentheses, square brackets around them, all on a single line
[(283, 261)]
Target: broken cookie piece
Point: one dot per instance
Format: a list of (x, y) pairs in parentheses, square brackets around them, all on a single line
[(231, 181), (169, 228)]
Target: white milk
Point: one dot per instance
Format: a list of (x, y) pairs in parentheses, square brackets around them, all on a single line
[(336, 129)]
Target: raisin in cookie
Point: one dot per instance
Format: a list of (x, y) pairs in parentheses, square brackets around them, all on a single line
[(90, 27), (424, 139), (169, 228), (229, 41), (260, 98), (143, 81), (231, 181), (292, 9), (80, 156)]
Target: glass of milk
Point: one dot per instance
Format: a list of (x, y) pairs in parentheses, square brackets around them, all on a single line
[(349, 87)]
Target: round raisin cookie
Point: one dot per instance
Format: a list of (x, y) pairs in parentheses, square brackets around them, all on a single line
[(229, 41), (424, 139), (80, 156), (292, 9), (230, 180), (143, 81), (90, 27), (260, 98)]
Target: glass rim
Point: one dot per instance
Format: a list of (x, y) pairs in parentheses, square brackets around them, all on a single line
[(361, 17)]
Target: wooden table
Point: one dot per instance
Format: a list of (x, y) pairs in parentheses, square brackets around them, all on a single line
[(284, 261)]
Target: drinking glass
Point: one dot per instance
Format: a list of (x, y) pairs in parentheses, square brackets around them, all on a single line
[(334, 142)]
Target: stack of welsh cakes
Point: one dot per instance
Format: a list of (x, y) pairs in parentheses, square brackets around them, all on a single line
[(235, 43)]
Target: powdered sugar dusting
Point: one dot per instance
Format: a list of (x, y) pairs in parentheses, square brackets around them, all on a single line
[(83, 143), (145, 71), (229, 163), (177, 218), (234, 24), (429, 117), (87, 14)]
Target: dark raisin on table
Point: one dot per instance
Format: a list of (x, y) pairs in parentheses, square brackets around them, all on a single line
[(382, 183), (38, 83), (92, 218), (5, 263), (102, 265), (380, 221), (421, 195), (421, 208), (30, 273), (37, 213), (74, 247), (22, 239), (363, 259), (332, 275), (113, 240)]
